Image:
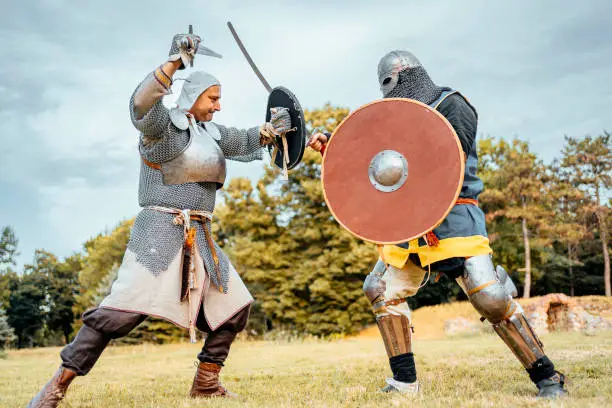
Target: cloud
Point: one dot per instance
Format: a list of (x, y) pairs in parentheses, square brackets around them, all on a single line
[(77, 210), (69, 162)]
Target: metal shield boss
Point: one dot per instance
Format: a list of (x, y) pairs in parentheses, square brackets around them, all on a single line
[(295, 138), (392, 171)]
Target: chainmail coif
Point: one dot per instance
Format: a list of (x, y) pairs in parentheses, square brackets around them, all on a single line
[(415, 83)]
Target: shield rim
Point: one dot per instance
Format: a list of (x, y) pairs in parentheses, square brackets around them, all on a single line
[(459, 187), (298, 160)]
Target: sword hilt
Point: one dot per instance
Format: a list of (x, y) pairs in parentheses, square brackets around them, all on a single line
[(191, 32)]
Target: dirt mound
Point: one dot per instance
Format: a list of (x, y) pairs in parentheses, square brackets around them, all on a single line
[(554, 312)]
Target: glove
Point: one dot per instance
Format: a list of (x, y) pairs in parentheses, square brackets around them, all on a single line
[(184, 47), (280, 120)]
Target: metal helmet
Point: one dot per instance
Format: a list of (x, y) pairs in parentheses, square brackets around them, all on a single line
[(390, 66)]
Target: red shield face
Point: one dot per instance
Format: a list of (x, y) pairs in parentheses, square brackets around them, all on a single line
[(392, 171)]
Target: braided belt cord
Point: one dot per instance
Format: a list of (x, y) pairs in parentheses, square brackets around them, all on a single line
[(188, 274)]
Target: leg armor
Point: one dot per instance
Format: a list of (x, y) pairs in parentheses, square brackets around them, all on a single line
[(396, 334), (387, 288), (518, 335), (490, 291)]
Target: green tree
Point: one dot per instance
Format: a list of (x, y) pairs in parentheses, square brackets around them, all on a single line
[(568, 225), (8, 247), (590, 161), (516, 190), (26, 312), (7, 334), (305, 271), (5, 286), (61, 294), (101, 255), (8, 252)]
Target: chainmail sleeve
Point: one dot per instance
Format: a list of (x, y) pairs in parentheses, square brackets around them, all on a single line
[(160, 139), (240, 143), (147, 111)]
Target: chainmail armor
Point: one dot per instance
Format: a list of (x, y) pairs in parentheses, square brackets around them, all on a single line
[(237, 144), (192, 196), (415, 83), (155, 239), (157, 118)]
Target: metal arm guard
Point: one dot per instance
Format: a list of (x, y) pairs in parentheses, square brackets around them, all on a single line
[(396, 333)]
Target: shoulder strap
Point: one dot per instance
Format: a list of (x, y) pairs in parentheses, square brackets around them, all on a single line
[(445, 94)]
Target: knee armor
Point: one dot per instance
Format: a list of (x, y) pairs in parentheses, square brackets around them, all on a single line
[(373, 286), (490, 291)]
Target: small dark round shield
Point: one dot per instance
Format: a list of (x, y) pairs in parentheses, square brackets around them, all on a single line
[(296, 139), (392, 171)]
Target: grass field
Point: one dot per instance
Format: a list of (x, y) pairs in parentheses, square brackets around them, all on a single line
[(472, 371)]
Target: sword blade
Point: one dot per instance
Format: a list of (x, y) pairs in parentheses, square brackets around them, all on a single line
[(248, 58), (207, 51)]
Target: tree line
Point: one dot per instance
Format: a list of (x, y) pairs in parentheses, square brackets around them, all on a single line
[(547, 222)]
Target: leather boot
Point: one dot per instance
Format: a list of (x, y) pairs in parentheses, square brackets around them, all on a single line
[(206, 382), (54, 391)]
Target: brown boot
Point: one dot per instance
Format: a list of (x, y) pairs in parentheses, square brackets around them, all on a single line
[(54, 391), (206, 382)]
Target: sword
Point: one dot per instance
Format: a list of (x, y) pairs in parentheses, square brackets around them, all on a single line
[(202, 50), (191, 32), (248, 58), (280, 143), (258, 72)]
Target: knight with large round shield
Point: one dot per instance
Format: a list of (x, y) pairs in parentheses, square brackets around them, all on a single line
[(401, 172)]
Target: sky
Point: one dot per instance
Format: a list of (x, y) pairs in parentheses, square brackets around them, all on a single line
[(68, 152)]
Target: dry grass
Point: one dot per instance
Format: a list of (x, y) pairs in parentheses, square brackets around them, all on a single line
[(471, 372)]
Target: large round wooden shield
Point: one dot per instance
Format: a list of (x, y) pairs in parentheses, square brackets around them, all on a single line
[(392, 171)]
